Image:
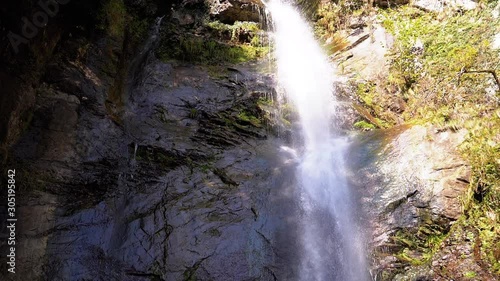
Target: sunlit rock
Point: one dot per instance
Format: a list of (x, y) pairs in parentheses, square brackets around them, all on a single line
[(411, 180), (440, 5), (229, 11)]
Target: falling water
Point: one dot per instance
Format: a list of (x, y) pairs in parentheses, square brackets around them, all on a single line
[(331, 241), (141, 58)]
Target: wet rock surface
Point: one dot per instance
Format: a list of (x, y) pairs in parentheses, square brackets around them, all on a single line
[(135, 169), (411, 180), (165, 171), (366, 57), (173, 184), (181, 179), (69, 30)]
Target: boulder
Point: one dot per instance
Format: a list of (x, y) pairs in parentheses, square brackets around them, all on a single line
[(440, 5), (366, 57), (229, 11), (410, 181)]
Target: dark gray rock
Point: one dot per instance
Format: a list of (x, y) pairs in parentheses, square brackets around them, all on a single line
[(171, 185)]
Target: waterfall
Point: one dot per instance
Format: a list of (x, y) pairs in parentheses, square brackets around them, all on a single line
[(142, 57), (332, 247)]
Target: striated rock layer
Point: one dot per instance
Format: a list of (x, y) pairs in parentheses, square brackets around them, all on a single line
[(411, 180)]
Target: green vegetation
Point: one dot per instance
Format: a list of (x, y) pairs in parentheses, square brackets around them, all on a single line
[(429, 80), (331, 18), (309, 7), (214, 232), (162, 113), (117, 20), (264, 101), (374, 108), (248, 117), (156, 155), (207, 167), (113, 18), (417, 246), (364, 125), (470, 274), (482, 150), (239, 28), (238, 25), (193, 113), (220, 44), (417, 251), (440, 74), (432, 80), (34, 180), (208, 51), (138, 28)]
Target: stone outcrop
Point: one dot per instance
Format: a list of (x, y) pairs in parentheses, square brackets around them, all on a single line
[(71, 26), (134, 169), (429, 5), (411, 180), (229, 11), (441, 5), (366, 57), (174, 184)]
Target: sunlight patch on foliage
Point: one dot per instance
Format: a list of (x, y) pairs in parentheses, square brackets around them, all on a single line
[(432, 61)]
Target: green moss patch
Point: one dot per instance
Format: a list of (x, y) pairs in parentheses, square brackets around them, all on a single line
[(113, 18), (201, 50), (431, 59), (482, 149), (433, 74)]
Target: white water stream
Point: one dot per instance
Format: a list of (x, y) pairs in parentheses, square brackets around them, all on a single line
[(332, 247)]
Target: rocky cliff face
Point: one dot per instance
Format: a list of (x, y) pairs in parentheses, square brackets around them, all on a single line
[(135, 168), (145, 170), (38, 37), (412, 183), (180, 186)]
